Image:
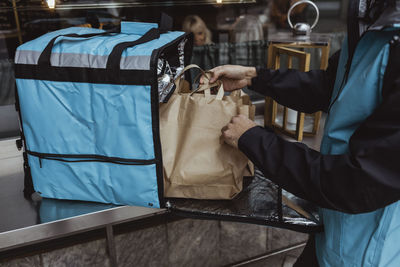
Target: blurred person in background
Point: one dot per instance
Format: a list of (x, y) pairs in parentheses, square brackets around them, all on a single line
[(247, 28), (194, 24)]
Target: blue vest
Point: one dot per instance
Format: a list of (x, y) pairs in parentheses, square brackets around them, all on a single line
[(367, 239)]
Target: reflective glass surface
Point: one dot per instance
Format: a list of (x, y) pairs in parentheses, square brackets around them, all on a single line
[(239, 31)]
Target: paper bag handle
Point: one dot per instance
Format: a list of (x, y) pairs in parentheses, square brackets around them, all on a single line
[(207, 89), (188, 67), (204, 87), (177, 80)]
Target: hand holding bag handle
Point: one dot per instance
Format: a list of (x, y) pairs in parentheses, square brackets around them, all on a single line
[(206, 87), (201, 88)]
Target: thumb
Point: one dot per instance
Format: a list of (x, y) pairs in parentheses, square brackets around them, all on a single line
[(202, 78), (215, 74)]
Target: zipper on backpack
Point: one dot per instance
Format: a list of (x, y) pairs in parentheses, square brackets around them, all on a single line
[(69, 158)]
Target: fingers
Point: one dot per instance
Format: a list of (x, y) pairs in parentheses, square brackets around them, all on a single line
[(235, 119), (228, 135), (235, 129), (210, 76), (203, 79), (217, 73), (225, 133), (225, 130), (227, 75), (238, 118)]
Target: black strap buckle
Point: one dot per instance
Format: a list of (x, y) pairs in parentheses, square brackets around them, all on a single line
[(18, 143)]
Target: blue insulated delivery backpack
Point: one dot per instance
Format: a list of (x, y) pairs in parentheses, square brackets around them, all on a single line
[(88, 102)]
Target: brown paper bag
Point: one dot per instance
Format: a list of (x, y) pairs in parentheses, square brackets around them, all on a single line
[(248, 109), (196, 164)]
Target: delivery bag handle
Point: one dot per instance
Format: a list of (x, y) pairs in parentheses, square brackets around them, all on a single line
[(115, 56), (114, 59), (44, 58)]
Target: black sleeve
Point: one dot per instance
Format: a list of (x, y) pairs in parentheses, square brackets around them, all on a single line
[(365, 179), (303, 91)]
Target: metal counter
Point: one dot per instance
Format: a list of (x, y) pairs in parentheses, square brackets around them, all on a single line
[(26, 222)]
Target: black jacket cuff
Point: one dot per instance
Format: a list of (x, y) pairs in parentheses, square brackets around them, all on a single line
[(251, 138), (258, 83)]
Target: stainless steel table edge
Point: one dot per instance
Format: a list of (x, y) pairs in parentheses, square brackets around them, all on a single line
[(74, 225)]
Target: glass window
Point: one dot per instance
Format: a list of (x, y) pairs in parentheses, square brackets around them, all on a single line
[(225, 31)]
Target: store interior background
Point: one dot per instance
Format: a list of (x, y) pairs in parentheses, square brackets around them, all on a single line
[(33, 18), (24, 20)]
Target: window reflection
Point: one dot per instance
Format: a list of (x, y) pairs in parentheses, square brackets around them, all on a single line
[(236, 31)]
